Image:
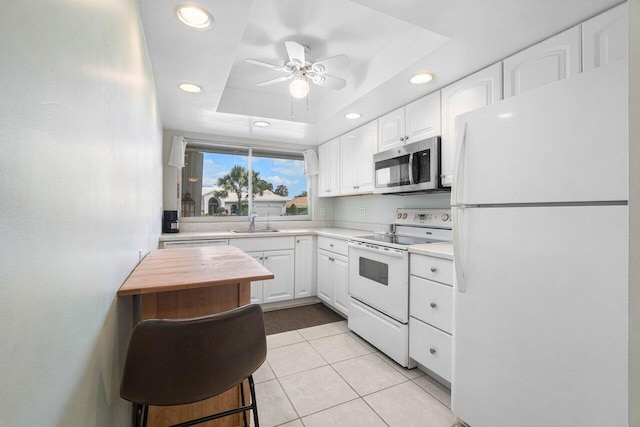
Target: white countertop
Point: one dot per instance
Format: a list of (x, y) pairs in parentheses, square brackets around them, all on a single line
[(439, 250), (339, 233)]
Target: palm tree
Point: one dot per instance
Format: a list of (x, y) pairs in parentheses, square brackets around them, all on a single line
[(237, 182)]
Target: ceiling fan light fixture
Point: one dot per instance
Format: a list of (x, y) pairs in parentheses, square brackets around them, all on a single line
[(352, 116), (421, 78), (194, 16), (190, 87), (299, 87), (261, 124)]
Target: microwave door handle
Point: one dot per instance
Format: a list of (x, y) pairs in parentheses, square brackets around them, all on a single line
[(411, 169)]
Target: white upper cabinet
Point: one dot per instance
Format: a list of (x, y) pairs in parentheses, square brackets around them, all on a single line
[(356, 153), (366, 147), (474, 91), (348, 167), (329, 168), (551, 60), (411, 123), (391, 130), (604, 38), (422, 118)]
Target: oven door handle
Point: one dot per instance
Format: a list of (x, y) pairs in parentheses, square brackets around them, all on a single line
[(391, 252)]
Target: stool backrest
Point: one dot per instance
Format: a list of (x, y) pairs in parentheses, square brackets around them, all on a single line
[(174, 362)]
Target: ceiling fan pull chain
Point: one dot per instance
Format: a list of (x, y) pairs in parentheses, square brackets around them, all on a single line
[(291, 108)]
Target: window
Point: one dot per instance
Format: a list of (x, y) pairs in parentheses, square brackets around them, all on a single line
[(216, 183)]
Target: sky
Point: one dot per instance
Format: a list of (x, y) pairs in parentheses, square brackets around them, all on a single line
[(276, 171)]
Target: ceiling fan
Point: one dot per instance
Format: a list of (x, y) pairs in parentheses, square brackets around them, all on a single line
[(302, 71)]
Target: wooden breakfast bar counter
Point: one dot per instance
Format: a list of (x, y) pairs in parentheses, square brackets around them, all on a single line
[(192, 282)]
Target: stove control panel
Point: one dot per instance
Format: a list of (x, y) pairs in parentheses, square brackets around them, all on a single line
[(440, 218)]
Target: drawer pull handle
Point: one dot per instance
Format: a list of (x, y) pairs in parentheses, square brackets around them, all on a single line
[(433, 305), (433, 269), (432, 350)]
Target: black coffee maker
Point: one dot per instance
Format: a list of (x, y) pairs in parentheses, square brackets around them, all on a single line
[(170, 222)]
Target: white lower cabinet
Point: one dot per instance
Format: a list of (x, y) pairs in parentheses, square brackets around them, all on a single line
[(280, 288), (333, 274), (305, 267), (277, 255), (431, 313)]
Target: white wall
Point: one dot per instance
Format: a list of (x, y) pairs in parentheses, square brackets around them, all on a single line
[(80, 191), (380, 209), (634, 214)]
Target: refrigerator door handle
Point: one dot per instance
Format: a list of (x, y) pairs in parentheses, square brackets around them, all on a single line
[(461, 133), (457, 253)]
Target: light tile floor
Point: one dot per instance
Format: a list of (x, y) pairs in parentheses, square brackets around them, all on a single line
[(327, 376)]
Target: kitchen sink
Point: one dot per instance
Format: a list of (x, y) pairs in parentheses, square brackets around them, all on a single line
[(264, 230)]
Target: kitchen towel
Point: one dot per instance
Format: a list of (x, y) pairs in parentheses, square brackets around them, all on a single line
[(176, 158), (310, 162)]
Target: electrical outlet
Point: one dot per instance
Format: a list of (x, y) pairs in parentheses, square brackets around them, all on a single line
[(323, 211), (363, 212)]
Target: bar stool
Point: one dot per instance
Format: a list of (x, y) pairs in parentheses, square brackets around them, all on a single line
[(180, 361)]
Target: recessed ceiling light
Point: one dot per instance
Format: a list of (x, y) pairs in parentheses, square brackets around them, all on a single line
[(261, 124), (421, 78), (190, 87), (193, 16), (352, 116)]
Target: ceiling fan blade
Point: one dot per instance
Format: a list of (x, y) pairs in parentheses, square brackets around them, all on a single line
[(331, 82), (329, 65), (266, 65), (273, 81), (296, 53)]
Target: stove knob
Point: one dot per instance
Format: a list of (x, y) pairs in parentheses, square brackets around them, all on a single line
[(404, 216), (445, 217), (399, 215)]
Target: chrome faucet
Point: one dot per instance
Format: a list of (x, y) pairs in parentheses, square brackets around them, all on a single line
[(252, 221)]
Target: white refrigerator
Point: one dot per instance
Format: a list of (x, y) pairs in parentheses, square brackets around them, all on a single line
[(540, 251)]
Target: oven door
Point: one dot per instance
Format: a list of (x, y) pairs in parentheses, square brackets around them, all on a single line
[(379, 277)]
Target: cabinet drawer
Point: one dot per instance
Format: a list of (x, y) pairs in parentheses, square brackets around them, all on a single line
[(430, 347), (333, 245), (436, 269), (431, 302), (253, 244)]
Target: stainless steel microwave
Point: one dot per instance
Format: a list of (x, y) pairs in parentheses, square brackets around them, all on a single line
[(410, 168)]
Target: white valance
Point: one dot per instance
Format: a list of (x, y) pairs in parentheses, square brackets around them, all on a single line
[(176, 157), (310, 162)]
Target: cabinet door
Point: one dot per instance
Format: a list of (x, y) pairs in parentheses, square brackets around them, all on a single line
[(256, 287), (604, 38), (329, 162), (547, 62), (472, 92), (281, 264), (340, 266), (423, 118), (366, 145), (391, 128), (348, 153), (305, 272), (325, 279)]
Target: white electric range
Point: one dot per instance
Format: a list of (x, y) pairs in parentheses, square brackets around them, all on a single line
[(379, 278)]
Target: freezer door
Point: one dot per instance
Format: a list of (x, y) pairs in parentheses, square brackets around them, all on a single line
[(540, 334), (565, 142)]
